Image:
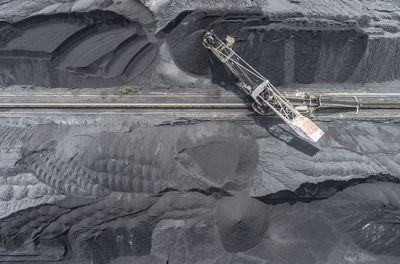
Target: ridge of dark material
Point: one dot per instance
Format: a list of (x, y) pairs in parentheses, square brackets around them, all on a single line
[(309, 192)]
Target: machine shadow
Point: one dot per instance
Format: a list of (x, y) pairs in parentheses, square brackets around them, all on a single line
[(276, 129), (270, 123)]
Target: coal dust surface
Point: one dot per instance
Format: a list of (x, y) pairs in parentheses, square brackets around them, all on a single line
[(199, 186), (181, 193), (93, 49), (290, 49), (203, 156), (356, 226)]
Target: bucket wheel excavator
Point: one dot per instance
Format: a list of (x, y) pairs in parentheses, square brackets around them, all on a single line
[(266, 97)]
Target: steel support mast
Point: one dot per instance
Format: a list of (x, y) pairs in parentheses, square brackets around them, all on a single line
[(265, 95)]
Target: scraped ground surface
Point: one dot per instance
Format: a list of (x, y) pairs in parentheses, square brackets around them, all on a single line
[(99, 48), (112, 194), (155, 188), (304, 42)]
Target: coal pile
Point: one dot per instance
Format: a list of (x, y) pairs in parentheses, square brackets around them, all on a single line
[(94, 49), (291, 49), (209, 187)]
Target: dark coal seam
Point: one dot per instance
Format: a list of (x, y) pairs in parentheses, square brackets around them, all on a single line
[(135, 56), (79, 35), (84, 17), (173, 23), (212, 191), (387, 11), (36, 235), (309, 192), (60, 234), (127, 214), (125, 44), (18, 53), (70, 41), (89, 71), (180, 122)]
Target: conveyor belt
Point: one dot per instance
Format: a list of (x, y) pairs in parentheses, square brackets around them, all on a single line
[(127, 105), (346, 101), (324, 102)]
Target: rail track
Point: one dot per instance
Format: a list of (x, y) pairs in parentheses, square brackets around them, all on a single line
[(305, 102)]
